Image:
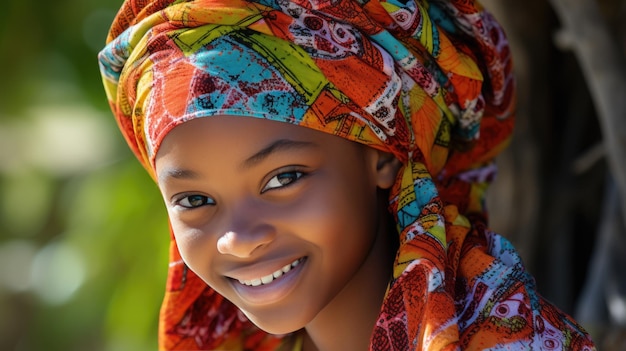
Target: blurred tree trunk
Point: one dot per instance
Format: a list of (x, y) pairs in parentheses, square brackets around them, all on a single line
[(570, 139), (587, 34)]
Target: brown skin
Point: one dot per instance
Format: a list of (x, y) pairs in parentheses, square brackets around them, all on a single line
[(242, 210)]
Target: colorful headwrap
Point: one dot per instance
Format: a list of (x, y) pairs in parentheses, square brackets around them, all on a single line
[(429, 81)]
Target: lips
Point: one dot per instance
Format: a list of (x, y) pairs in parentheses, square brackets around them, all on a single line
[(271, 288), (271, 277)]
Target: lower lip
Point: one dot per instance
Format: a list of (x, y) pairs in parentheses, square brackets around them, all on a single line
[(272, 292)]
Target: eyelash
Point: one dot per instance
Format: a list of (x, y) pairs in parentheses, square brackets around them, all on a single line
[(205, 201), (293, 176)]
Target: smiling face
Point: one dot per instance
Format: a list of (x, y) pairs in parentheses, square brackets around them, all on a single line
[(281, 220)]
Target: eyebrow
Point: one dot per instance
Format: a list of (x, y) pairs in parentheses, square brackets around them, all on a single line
[(277, 146), (177, 173)]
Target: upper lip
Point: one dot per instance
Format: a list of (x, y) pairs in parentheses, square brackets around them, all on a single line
[(260, 268)]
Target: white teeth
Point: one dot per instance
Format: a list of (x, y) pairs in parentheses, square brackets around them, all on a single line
[(270, 277), (286, 269), (267, 279)]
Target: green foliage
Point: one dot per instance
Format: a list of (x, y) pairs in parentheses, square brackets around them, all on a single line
[(51, 41), (83, 230), (97, 276)]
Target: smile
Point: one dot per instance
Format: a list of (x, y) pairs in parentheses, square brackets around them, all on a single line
[(271, 277)]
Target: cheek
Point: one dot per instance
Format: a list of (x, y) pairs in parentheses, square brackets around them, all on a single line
[(195, 248), (342, 226), (335, 215)]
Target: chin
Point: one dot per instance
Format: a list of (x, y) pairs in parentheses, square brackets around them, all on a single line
[(277, 324)]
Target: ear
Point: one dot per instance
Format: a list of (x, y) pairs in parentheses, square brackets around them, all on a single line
[(387, 167)]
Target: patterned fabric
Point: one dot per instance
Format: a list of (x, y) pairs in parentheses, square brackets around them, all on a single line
[(429, 81)]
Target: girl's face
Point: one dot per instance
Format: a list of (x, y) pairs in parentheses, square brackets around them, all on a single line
[(281, 220)]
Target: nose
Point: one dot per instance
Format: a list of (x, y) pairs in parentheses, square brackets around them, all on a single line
[(244, 235)]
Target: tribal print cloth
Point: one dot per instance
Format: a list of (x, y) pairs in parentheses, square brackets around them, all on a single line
[(429, 81)]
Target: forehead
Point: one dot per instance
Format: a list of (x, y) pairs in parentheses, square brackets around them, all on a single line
[(237, 130), (226, 139)]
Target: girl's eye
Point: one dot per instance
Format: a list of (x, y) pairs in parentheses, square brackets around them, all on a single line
[(193, 201), (282, 179)]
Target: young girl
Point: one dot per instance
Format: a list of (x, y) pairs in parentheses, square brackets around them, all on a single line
[(332, 198)]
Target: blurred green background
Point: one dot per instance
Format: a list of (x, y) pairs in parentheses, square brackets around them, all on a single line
[(83, 234)]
